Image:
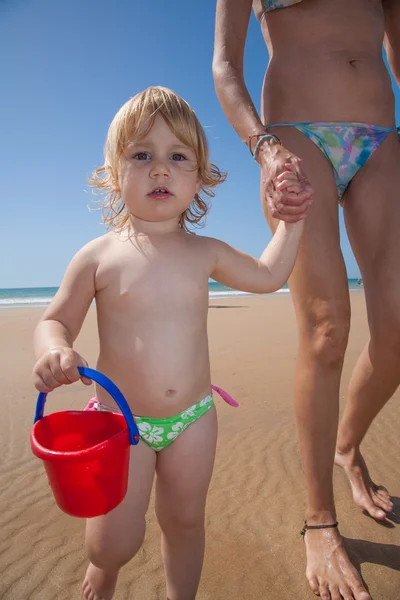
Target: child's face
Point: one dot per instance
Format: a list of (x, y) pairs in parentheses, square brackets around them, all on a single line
[(158, 176)]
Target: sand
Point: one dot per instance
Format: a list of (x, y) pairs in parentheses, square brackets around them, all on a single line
[(257, 498)]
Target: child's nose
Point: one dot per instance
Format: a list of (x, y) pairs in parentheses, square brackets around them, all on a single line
[(160, 167)]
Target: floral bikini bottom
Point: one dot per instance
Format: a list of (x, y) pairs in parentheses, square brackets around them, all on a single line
[(160, 433), (347, 146)]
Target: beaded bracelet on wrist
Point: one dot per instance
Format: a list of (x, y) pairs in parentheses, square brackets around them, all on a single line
[(261, 137)]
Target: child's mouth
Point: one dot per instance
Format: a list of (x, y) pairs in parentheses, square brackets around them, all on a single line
[(160, 193)]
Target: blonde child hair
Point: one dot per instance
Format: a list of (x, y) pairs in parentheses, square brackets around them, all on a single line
[(131, 123)]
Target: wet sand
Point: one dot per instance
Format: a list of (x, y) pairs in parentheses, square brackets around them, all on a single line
[(256, 501)]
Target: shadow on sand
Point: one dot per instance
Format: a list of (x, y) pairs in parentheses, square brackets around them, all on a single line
[(224, 306)]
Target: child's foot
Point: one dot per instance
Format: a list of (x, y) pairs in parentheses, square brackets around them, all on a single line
[(329, 570), (374, 499), (99, 584)]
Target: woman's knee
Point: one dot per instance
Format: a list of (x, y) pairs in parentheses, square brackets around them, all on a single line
[(113, 551), (325, 335)]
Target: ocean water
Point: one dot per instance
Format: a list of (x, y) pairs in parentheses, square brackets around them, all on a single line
[(42, 296)]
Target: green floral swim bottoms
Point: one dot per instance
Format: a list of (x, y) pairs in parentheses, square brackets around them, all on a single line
[(160, 433)]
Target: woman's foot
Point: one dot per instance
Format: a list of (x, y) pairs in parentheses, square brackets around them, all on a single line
[(329, 570), (374, 499), (99, 584)]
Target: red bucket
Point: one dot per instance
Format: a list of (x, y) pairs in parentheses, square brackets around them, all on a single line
[(86, 453)]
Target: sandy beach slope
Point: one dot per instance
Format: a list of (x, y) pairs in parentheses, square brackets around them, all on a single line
[(256, 501)]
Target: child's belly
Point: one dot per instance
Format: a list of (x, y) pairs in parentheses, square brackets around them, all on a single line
[(161, 366)]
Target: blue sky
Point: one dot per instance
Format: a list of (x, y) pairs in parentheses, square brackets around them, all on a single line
[(66, 69)]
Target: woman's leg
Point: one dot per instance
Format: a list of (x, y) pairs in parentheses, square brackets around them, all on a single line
[(320, 293), (372, 213), (184, 471), (113, 539)]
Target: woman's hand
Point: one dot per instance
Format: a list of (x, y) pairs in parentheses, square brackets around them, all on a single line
[(287, 191)]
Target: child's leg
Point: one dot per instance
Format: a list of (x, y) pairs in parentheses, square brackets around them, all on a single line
[(183, 475), (113, 539)]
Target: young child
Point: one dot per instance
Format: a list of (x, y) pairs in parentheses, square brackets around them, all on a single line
[(149, 276)]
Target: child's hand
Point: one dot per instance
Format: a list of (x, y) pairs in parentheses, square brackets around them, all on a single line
[(289, 182), (276, 161), (58, 366)]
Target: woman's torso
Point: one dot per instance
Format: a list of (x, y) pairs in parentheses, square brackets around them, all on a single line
[(326, 62)]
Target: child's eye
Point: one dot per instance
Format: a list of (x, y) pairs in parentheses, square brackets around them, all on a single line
[(178, 157), (141, 156)]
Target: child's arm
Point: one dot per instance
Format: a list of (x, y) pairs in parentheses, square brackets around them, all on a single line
[(57, 362), (241, 271)]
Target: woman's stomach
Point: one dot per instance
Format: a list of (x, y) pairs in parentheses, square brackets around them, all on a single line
[(327, 86)]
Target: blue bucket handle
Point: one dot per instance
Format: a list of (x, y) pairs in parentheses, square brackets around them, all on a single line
[(114, 392)]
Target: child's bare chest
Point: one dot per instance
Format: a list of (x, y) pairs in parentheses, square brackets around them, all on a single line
[(169, 277)]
